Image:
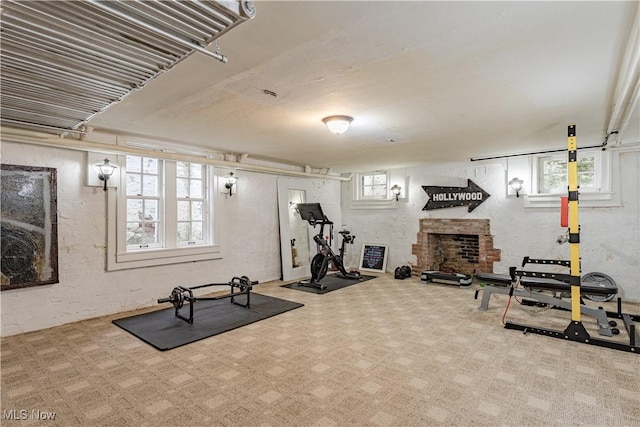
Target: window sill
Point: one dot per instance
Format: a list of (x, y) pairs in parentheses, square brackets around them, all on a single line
[(588, 200), (155, 257), (374, 204)]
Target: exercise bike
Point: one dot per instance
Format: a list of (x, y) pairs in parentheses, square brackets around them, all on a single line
[(312, 213)]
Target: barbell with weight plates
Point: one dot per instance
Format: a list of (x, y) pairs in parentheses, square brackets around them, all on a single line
[(176, 298), (179, 294)]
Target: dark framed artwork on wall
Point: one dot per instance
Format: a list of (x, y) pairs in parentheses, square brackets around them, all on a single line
[(29, 236)]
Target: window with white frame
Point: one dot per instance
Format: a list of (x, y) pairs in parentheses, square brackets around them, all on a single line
[(164, 214), (553, 173), (598, 184), (372, 190), (373, 185)]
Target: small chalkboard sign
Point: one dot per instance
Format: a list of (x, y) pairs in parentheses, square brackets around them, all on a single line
[(374, 257)]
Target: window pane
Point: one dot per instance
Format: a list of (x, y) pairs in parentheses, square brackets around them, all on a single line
[(134, 210), (196, 211), (150, 233), (555, 183), (142, 233), (555, 166), (134, 164), (586, 164), (134, 233), (196, 189), (134, 184), (151, 210), (196, 231), (182, 189), (150, 166), (184, 211), (380, 190), (367, 180), (182, 169), (196, 171), (367, 191), (184, 233), (587, 179), (149, 185), (380, 179)]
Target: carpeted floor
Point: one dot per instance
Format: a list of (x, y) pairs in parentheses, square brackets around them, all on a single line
[(381, 353)]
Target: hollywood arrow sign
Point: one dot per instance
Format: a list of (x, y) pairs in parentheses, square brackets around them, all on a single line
[(449, 197)]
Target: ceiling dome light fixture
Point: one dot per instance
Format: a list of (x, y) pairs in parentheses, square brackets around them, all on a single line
[(338, 124)]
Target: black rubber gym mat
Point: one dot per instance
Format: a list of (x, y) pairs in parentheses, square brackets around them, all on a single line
[(333, 282), (164, 331)]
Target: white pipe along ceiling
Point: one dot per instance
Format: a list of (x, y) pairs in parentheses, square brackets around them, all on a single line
[(65, 62)]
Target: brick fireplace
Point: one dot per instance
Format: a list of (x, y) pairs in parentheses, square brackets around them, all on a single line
[(455, 245)]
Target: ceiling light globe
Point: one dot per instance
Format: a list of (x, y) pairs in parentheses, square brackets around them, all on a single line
[(338, 124)]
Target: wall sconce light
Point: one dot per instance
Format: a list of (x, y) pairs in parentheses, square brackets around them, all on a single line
[(516, 185), (229, 181), (338, 124), (396, 189), (105, 170)]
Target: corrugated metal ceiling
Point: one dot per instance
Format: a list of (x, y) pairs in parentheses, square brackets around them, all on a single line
[(63, 62)]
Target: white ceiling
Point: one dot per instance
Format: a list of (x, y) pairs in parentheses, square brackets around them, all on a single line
[(446, 81)]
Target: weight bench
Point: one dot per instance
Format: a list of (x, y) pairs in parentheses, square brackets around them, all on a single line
[(602, 291), (536, 283), (532, 288)]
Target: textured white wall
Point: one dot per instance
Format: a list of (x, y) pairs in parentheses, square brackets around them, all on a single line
[(610, 237), (249, 234)]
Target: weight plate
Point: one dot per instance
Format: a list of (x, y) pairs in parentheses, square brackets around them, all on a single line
[(600, 280), (177, 298)]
